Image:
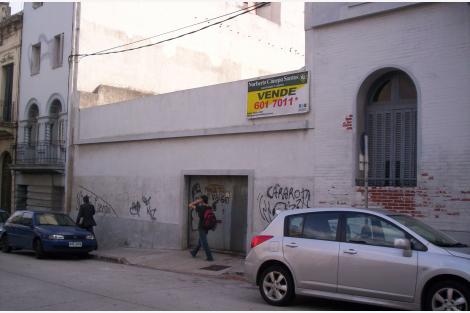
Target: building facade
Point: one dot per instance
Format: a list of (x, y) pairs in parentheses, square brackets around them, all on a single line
[(42, 110), (395, 72), (58, 76), (10, 44), (388, 71)]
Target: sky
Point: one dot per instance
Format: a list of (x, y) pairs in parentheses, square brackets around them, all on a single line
[(16, 7)]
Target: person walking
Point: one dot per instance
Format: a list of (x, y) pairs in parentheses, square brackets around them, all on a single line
[(200, 206), (85, 215)]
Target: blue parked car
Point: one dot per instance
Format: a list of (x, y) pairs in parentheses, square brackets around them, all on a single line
[(45, 232), (3, 218)]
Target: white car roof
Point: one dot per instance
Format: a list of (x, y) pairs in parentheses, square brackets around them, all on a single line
[(311, 210)]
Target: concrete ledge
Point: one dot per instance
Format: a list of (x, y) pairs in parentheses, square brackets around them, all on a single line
[(244, 129)]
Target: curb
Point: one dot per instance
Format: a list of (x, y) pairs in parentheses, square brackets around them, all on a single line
[(121, 260), (111, 259)]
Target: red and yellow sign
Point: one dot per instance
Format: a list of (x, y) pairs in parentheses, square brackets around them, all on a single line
[(280, 95)]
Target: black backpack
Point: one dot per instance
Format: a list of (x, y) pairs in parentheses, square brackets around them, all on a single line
[(210, 221)]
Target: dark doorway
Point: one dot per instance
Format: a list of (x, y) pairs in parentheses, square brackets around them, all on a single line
[(6, 183), (228, 195)]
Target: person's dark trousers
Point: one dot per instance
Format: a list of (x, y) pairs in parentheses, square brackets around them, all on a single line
[(203, 242)]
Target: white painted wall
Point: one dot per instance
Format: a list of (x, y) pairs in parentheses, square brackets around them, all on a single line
[(41, 25), (120, 173), (431, 42), (247, 46)]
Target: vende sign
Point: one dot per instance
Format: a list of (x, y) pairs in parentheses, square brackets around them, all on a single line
[(280, 95)]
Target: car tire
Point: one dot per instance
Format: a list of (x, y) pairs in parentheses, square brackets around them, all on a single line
[(448, 295), (38, 249), (277, 286), (5, 246)]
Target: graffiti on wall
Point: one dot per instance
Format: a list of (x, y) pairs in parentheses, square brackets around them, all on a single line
[(217, 195), (101, 205), (281, 198), (134, 209), (195, 191)]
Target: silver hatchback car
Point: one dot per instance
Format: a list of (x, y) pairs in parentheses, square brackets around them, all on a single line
[(359, 255)]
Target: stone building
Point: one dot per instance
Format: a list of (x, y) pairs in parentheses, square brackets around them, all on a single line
[(10, 42)]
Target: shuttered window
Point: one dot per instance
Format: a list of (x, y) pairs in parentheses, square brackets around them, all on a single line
[(391, 122)]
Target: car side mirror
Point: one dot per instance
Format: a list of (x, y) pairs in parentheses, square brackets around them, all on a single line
[(403, 244)]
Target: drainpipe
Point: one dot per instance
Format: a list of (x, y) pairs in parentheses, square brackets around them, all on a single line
[(366, 170), (72, 108)]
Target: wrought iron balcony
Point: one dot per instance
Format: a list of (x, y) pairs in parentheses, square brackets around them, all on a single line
[(43, 153)]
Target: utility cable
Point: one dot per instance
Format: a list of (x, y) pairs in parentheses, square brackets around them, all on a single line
[(178, 29), (173, 38)]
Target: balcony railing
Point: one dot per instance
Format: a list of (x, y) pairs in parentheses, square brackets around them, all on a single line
[(41, 153)]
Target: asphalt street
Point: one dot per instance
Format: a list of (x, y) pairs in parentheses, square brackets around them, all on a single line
[(85, 284)]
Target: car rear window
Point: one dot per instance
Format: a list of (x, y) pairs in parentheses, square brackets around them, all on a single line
[(319, 226), (295, 225)]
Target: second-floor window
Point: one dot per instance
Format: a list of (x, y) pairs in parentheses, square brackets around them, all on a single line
[(7, 73), (58, 49), (36, 58)]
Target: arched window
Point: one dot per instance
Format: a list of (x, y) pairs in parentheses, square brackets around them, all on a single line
[(390, 123), (54, 129), (31, 131)]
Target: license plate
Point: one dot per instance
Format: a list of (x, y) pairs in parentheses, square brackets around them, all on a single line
[(75, 244)]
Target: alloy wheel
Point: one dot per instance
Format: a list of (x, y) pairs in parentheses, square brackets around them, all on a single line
[(275, 286), (449, 299)]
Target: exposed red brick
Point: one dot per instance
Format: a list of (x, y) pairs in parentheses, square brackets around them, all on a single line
[(347, 123)]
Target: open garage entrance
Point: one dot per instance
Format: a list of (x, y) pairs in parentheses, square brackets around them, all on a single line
[(228, 196)]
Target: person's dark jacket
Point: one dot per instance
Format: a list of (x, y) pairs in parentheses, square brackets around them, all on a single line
[(85, 214)]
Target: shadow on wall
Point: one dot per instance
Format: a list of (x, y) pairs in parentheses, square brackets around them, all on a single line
[(115, 231), (112, 232)]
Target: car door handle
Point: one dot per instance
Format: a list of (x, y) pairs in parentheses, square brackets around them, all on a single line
[(292, 245), (350, 251)]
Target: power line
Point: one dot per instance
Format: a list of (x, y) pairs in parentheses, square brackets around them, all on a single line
[(178, 29), (173, 38)]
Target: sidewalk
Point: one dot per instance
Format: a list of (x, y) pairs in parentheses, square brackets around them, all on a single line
[(178, 261)]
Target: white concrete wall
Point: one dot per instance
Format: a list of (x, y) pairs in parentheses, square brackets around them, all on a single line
[(121, 173), (41, 25), (247, 46), (430, 42)]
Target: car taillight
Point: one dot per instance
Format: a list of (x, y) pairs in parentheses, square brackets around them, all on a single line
[(259, 240)]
